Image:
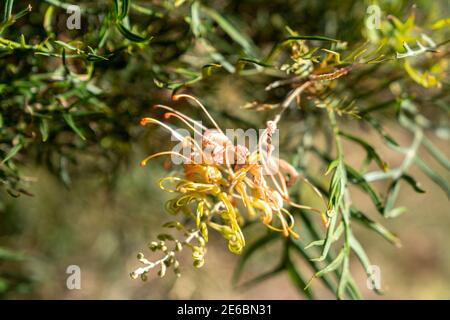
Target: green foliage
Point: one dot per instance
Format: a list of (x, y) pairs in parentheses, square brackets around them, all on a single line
[(70, 100)]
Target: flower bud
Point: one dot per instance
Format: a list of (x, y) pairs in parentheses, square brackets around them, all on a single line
[(153, 245), (162, 271), (199, 263)]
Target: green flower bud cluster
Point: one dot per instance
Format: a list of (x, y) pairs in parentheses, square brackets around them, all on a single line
[(170, 246)]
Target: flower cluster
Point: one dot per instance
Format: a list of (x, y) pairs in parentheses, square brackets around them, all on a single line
[(217, 183)]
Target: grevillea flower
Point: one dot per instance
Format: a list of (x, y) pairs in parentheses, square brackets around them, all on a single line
[(221, 184)]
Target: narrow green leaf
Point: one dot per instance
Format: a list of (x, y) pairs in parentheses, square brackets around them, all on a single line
[(356, 178), (307, 223), (441, 182), (413, 183), (208, 69), (436, 153), (23, 41), (146, 10), (235, 34), (345, 274), (389, 211), (375, 226), (175, 85), (333, 164), (95, 57), (395, 212), (48, 18), (6, 254), (330, 267), (125, 8), (69, 119), (104, 33), (7, 10), (43, 128), (240, 64), (195, 19), (315, 266), (379, 128), (14, 150), (63, 5), (116, 7), (371, 153), (130, 35), (65, 45), (298, 280), (249, 251), (352, 288), (328, 239), (262, 277), (362, 256), (337, 234), (289, 40), (22, 13)]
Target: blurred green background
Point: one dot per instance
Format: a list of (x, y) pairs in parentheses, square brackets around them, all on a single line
[(102, 229), (99, 211)]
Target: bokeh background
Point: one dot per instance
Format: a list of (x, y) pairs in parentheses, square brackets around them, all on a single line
[(103, 214), (101, 230)]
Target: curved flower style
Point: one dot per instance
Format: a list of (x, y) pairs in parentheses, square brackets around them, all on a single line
[(219, 178)]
